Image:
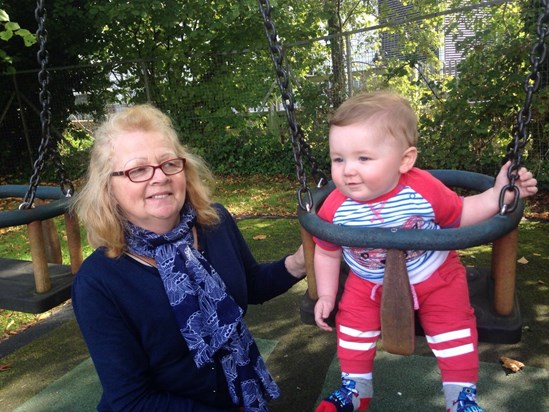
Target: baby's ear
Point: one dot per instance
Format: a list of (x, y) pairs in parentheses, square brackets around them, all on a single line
[(408, 159)]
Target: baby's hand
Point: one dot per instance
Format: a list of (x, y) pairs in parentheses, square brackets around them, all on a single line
[(323, 308), (525, 182)]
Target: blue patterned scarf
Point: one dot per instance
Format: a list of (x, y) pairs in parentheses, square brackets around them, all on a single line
[(209, 319)]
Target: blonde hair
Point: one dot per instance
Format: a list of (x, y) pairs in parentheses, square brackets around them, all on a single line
[(95, 204), (398, 117)]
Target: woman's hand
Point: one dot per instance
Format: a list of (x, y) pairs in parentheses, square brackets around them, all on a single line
[(295, 264)]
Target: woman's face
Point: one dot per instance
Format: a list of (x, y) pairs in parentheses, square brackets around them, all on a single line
[(155, 204)]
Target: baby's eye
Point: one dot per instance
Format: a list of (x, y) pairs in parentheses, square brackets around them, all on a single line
[(337, 159), (363, 158)]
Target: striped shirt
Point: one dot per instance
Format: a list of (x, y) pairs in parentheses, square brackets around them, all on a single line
[(419, 201)]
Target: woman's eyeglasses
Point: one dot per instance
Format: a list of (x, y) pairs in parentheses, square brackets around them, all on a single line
[(143, 173)]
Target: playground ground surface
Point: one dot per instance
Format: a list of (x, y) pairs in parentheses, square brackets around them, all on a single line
[(49, 369)]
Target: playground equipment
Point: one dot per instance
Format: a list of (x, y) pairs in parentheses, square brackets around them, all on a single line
[(492, 291), (44, 282)]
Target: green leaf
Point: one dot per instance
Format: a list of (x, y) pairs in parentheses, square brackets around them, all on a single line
[(28, 38), (4, 16), (6, 35), (12, 26)]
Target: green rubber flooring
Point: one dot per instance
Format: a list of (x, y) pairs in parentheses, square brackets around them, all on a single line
[(53, 372)]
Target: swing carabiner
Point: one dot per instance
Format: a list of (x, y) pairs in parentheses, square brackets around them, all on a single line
[(505, 208)]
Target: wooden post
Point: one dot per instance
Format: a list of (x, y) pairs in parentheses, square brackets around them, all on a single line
[(73, 241), (51, 242), (309, 252), (39, 261), (397, 306), (504, 265)]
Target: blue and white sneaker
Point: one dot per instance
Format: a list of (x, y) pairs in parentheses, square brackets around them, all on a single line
[(340, 400), (467, 401)]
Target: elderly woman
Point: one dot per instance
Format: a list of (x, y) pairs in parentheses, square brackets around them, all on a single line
[(160, 302)]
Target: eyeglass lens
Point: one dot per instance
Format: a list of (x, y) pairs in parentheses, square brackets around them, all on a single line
[(143, 173)]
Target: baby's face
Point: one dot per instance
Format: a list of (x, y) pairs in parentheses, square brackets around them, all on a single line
[(366, 161)]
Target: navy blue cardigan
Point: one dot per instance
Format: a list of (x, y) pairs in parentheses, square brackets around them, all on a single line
[(133, 338)]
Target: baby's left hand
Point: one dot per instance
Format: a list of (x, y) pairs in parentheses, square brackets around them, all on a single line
[(526, 183)]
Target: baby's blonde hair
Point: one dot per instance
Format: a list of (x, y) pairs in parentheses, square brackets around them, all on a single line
[(392, 112)]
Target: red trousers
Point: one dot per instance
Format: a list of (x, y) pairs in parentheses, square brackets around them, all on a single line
[(444, 311)]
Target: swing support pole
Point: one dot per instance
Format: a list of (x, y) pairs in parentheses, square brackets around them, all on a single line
[(39, 258), (504, 258), (309, 252), (73, 241)]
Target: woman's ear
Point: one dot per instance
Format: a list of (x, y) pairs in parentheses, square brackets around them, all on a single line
[(408, 159)]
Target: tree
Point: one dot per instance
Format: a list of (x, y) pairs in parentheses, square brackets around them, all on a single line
[(8, 29), (207, 64), (67, 29), (473, 125)]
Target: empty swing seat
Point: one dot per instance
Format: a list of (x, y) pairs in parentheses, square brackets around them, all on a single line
[(37, 285), (18, 291)]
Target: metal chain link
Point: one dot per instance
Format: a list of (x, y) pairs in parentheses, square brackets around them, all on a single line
[(299, 145), (44, 150), (531, 85)]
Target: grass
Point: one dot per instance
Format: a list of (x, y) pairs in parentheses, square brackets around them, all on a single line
[(258, 196), (255, 202)]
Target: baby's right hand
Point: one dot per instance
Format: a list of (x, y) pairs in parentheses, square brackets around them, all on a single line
[(323, 308)]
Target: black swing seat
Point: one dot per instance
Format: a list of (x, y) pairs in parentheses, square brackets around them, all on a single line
[(17, 278), (492, 327), (17, 286)]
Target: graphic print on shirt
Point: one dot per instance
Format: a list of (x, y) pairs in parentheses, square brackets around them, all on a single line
[(404, 208), (376, 258)]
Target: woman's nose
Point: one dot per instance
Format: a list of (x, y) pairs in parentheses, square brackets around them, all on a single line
[(159, 175)]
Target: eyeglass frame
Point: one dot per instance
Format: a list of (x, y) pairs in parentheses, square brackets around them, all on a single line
[(154, 168)]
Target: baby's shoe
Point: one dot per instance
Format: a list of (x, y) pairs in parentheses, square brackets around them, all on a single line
[(467, 401), (341, 400)]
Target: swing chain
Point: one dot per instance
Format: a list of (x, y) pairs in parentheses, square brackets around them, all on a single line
[(531, 85), (44, 149), (299, 145)]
